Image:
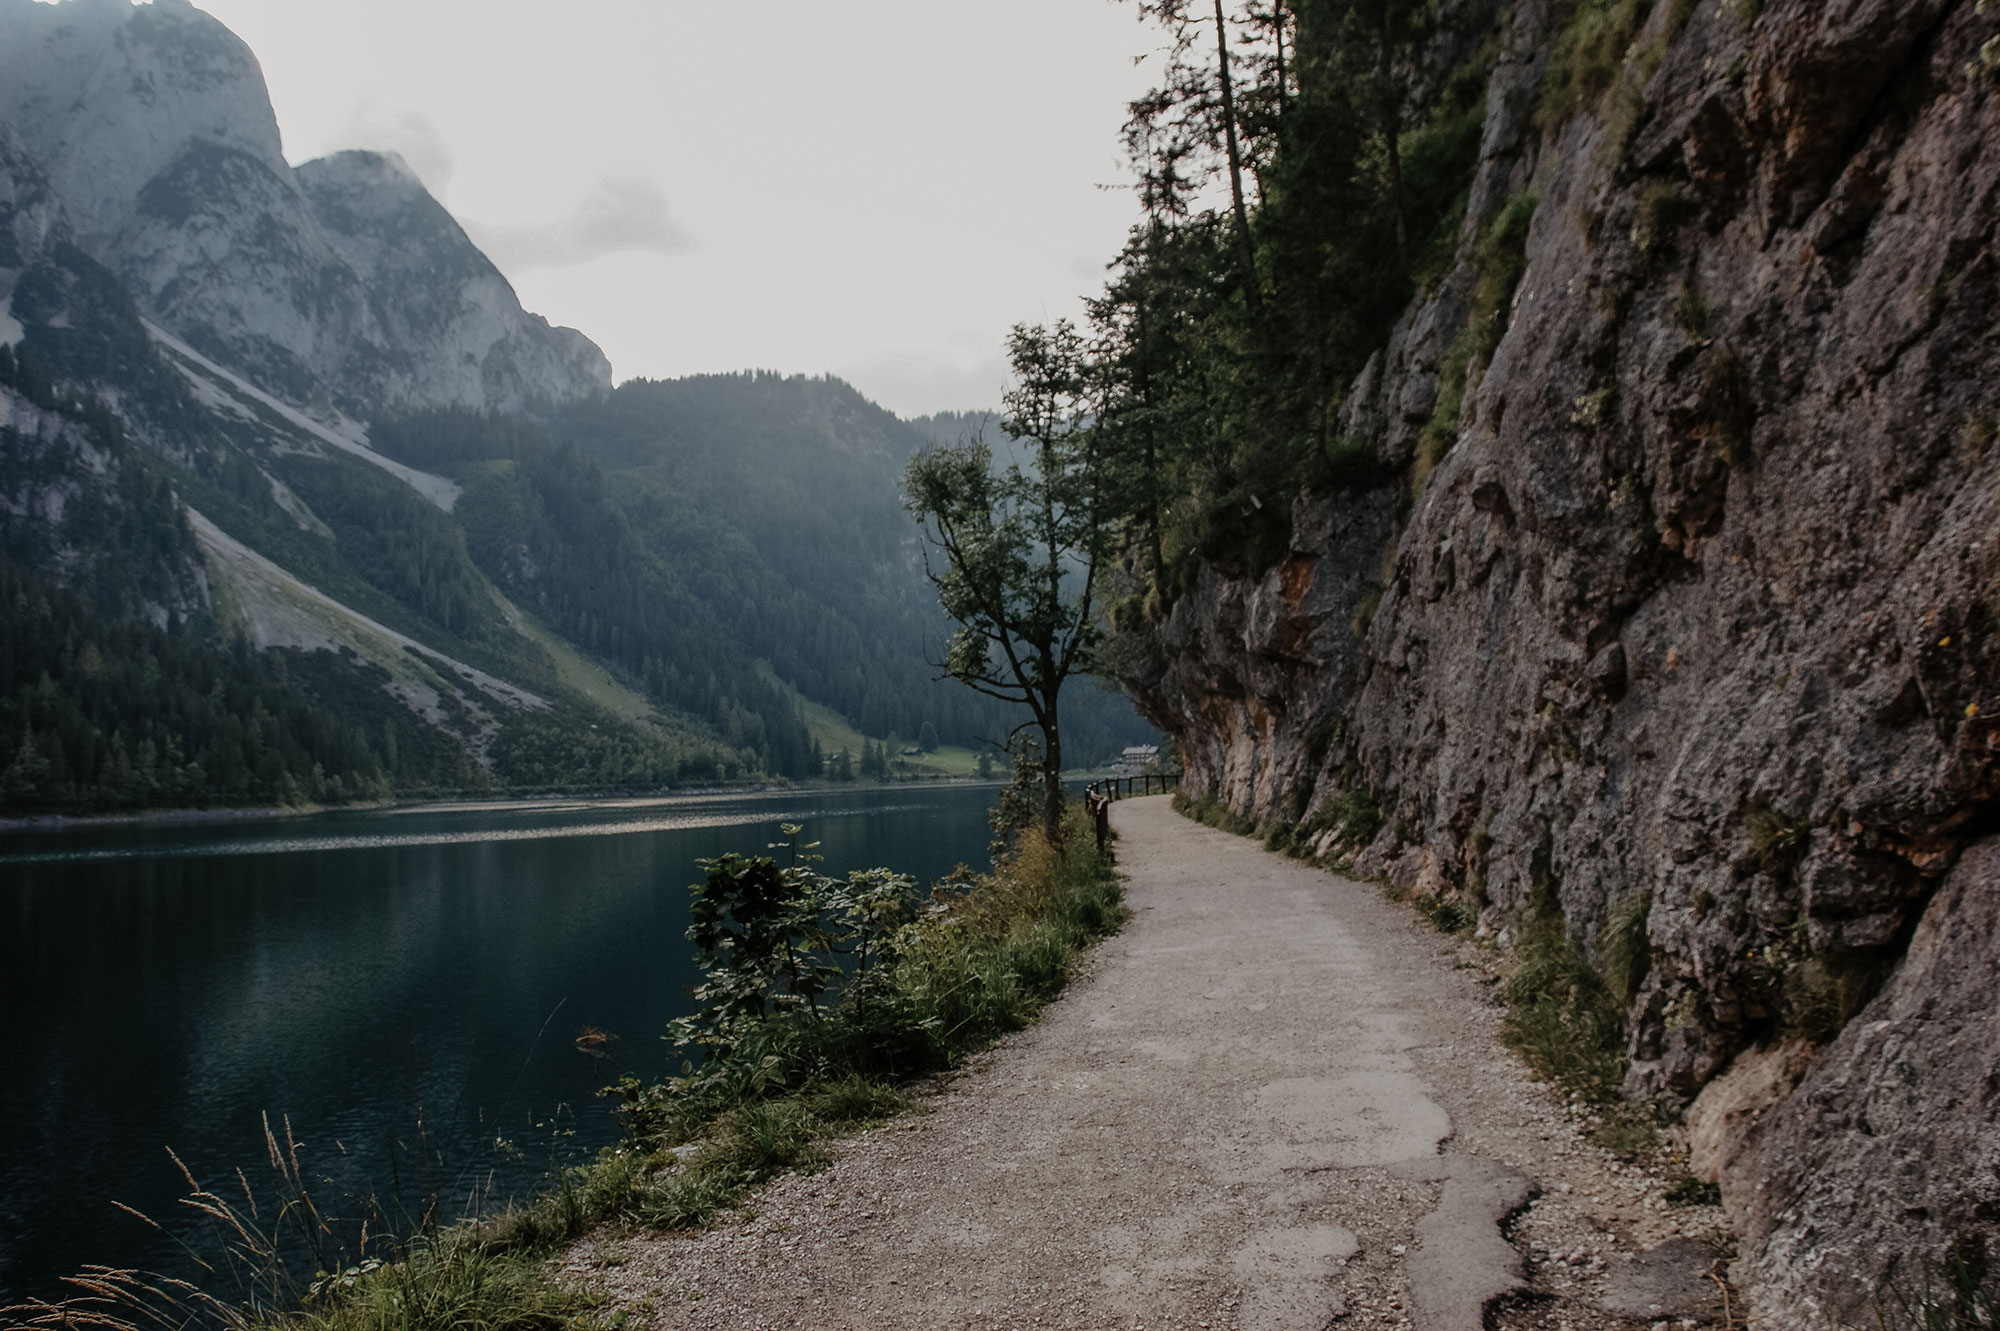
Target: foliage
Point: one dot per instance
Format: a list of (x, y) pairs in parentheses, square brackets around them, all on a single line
[(1220, 378), (716, 539), (1446, 915), (1499, 260), (1691, 1191), (103, 713), (1663, 206), (1020, 543), (1019, 805), (1355, 812), (1212, 812), (1776, 842), (545, 527), (768, 937), (399, 542), (927, 983)]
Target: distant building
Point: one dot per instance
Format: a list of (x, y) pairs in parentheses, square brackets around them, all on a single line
[(1137, 760)]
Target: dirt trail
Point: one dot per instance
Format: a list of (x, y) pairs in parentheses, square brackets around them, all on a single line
[(1275, 1102)]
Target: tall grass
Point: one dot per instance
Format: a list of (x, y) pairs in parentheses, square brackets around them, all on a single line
[(1562, 1018)]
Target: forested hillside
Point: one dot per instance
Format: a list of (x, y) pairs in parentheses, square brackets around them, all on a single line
[(694, 530)]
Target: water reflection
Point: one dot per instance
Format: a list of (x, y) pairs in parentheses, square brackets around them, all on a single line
[(372, 975)]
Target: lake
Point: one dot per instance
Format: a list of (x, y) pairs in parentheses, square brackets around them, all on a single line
[(407, 985)]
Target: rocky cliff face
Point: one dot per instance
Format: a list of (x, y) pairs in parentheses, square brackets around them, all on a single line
[(343, 280), (69, 503), (1701, 605)]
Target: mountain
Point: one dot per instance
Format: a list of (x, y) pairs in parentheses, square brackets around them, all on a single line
[(298, 504), (341, 282), (723, 536)]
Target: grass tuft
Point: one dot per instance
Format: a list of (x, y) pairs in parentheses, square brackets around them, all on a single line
[(1625, 945), (1691, 1191), (1561, 1018), (1499, 259), (1447, 915), (1588, 54)]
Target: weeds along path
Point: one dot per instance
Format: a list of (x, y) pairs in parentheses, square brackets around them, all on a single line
[(1274, 1102)]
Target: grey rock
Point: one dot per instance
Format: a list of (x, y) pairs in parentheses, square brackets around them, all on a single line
[(1671, 1280), (1895, 1131), (1704, 612)]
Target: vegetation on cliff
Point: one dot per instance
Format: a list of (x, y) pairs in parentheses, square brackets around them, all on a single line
[(1232, 326)]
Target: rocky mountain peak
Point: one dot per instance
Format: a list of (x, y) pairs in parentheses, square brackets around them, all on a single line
[(107, 95), (344, 281)]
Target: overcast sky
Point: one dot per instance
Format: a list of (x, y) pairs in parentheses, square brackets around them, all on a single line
[(876, 189)]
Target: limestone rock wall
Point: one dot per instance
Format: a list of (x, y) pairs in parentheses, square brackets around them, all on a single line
[(1703, 602)]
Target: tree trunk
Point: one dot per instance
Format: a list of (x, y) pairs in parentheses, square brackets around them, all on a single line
[(1246, 256), (1052, 792), (1278, 39)]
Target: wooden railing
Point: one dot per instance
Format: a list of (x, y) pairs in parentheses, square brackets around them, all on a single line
[(1123, 787), (1098, 795)]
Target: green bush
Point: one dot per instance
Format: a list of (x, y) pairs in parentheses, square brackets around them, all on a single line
[(932, 982)]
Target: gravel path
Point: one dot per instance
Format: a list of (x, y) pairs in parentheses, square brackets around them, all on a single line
[(1275, 1102)]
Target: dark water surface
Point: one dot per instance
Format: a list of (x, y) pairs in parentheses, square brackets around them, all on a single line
[(406, 985)]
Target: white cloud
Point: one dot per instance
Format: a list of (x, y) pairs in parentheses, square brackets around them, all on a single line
[(408, 134), (620, 215), (918, 383)]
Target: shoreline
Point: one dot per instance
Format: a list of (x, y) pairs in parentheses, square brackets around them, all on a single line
[(66, 822)]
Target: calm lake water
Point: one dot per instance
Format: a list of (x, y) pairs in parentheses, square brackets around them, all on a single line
[(406, 985)]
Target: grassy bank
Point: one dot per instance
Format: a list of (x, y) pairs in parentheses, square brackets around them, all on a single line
[(870, 986)]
